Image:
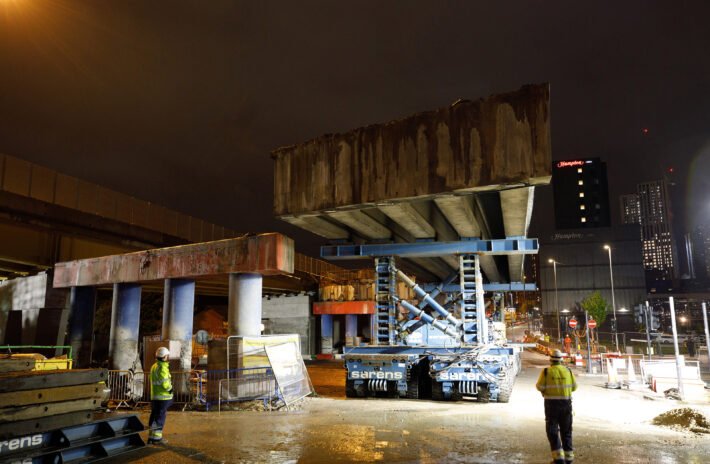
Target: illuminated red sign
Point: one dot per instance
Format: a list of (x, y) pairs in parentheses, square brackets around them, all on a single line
[(568, 164)]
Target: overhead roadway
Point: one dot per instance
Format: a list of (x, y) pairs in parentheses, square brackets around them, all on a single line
[(466, 171)]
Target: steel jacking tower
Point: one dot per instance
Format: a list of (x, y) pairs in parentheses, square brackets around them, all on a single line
[(447, 196)]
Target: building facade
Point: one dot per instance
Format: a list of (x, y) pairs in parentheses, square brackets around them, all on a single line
[(630, 209), (581, 193), (583, 268), (660, 258)]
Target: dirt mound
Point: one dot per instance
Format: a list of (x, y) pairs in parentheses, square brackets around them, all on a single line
[(683, 419)]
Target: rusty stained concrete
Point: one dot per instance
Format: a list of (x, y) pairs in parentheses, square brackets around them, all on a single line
[(266, 254), (471, 145)]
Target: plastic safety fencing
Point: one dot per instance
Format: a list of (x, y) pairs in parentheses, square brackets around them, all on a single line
[(667, 368), (236, 385), (620, 362)]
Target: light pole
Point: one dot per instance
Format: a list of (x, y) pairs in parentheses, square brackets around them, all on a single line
[(613, 300), (557, 306)]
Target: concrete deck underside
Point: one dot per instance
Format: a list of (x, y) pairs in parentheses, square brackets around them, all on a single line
[(266, 254), (463, 171)]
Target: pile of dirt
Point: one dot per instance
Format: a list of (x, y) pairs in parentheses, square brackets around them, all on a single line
[(683, 420)]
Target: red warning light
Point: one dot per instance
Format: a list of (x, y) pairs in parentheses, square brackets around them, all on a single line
[(671, 169), (645, 131)]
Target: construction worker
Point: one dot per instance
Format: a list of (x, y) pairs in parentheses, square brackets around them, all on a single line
[(161, 395), (568, 344), (556, 383)]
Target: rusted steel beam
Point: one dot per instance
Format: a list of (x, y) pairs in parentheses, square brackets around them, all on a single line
[(344, 307), (266, 254)]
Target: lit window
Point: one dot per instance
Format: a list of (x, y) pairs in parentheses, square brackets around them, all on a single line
[(581, 194), (584, 219), (579, 170), (581, 206), (580, 182)]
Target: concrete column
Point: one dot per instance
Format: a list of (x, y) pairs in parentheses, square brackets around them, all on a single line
[(178, 312), (245, 304), (82, 302), (350, 328), (326, 333), (125, 322)]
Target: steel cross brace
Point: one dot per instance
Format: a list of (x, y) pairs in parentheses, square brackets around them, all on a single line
[(510, 246)]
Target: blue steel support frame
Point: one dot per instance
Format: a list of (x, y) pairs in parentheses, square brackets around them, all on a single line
[(511, 246), (385, 307), (491, 287)]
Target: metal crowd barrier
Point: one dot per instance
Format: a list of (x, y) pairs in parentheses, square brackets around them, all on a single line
[(120, 384), (236, 385)]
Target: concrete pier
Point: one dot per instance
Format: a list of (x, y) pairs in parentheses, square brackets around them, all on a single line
[(178, 312), (81, 324), (244, 308), (326, 333), (350, 326), (125, 321)]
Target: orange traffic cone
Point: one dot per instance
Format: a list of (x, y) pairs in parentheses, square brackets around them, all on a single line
[(612, 381)]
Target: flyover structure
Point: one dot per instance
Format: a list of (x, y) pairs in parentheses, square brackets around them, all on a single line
[(448, 193), (242, 261), (466, 171)]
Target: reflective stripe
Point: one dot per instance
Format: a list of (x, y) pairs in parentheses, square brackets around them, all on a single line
[(558, 397), (161, 397), (556, 454)]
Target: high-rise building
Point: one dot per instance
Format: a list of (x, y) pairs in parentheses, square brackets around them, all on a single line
[(581, 193), (700, 240), (660, 258), (630, 209)]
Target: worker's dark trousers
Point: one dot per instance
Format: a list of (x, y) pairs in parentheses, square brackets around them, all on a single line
[(558, 418), (158, 411)]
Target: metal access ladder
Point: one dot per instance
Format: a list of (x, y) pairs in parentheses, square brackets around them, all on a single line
[(385, 309)]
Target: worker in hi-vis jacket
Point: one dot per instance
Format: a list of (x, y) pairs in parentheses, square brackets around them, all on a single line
[(161, 395), (556, 383)]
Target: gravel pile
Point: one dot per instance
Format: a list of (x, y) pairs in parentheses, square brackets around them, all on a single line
[(683, 420)]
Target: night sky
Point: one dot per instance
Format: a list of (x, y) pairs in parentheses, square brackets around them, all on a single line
[(180, 102)]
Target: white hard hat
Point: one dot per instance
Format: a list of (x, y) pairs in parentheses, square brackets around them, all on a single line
[(161, 352), (556, 355)]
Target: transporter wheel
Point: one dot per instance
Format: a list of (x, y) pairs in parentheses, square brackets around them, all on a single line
[(506, 389), (484, 393), (437, 391), (413, 389), (350, 391)]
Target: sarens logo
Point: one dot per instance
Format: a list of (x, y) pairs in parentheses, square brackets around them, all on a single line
[(456, 376), (377, 375), (19, 443)]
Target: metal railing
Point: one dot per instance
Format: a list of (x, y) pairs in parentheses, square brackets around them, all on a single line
[(128, 387), (120, 385), (236, 385)]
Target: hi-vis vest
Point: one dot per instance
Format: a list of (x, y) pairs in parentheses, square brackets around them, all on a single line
[(556, 383), (160, 383)]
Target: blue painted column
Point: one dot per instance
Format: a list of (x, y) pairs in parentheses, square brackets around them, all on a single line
[(245, 304), (178, 313), (350, 328), (326, 333), (125, 321), (82, 307)]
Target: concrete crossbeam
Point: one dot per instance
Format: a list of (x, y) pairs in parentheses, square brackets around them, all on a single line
[(517, 206), (409, 218), (267, 254), (458, 210), (318, 226), (362, 224)]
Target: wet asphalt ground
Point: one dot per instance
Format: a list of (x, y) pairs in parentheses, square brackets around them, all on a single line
[(610, 426)]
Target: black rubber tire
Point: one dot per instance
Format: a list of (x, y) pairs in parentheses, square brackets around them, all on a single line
[(413, 389), (350, 391), (506, 389), (437, 392), (484, 393)]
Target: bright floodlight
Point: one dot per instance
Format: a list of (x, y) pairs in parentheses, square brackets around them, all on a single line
[(606, 247), (550, 260)]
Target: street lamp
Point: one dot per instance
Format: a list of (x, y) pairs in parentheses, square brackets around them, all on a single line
[(557, 306), (613, 300)]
